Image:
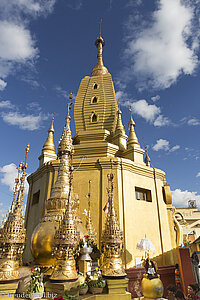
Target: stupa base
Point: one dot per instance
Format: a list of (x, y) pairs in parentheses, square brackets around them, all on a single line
[(8, 290), (126, 296), (57, 289)]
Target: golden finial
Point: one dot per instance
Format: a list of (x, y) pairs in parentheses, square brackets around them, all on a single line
[(12, 232), (99, 69), (100, 22), (112, 238), (119, 126), (49, 144), (89, 225), (132, 138), (65, 143)]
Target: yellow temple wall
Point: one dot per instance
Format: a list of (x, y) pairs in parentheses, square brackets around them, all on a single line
[(137, 217)]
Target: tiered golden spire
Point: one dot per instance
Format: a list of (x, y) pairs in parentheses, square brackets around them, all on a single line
[(12, 232), (112, 239), (49, 144), (89, 225), (56, 204), (119, 126), (66, 237), (132, 138), (99, 69)]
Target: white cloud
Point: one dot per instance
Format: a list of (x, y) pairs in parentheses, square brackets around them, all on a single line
[(16, 43), (165, 49), (63, 93), (181, 198), (155, 98), (193, 122), (6, 104), (161, 121), (161, 144), (143, 109), (15, 8), (150, 112), (175, 148), (29, 122), (60, 91), (122, 98), (198, 174), (8, 175), (34, 106), (3, 84)]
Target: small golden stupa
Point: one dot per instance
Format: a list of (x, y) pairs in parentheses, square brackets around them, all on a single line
[(12, 232), (89, 225), (42, 240), (66, 237), (112, 239)]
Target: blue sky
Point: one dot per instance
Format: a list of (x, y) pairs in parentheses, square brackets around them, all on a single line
[(151, 50)]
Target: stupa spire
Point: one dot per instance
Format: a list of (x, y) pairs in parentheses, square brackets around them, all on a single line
[(55, 205), (49, 144), (12, 231), (132, 138), (99, 69), (66, 237), (89, 225), (60, 191), (119, 126), (112, 239)]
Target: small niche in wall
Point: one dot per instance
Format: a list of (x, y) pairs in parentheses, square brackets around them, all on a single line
[(36, 197), (94, 118), (94, 100)]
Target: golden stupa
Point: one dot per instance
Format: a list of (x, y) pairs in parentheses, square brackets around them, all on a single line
[(42, 240), (12, 231), (112, 239)]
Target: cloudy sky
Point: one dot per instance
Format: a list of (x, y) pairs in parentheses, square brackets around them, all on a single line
[(152, 52)]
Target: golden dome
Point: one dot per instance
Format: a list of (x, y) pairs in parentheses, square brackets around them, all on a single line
[(42, 241)]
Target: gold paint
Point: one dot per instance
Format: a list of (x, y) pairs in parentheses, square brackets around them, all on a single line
[(152, 289), (64, 270), (89, 225), (112, 239), (49, 144), (66, 237), (132, 138), (99, 69), (44, 233), (119, 127), (12, 231)]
